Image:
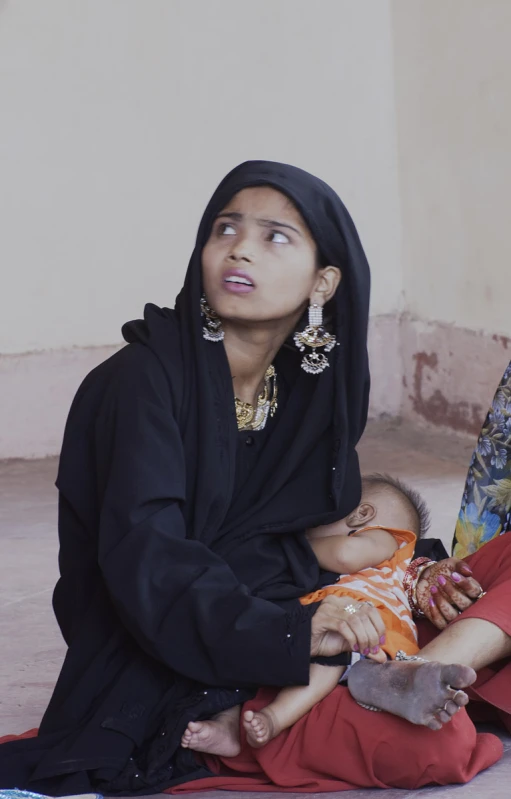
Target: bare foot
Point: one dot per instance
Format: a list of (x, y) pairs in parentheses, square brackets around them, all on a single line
[(260, 727), (423, 693), (220, 736)]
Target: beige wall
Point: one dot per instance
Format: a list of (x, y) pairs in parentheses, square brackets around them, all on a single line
[(453, 90), (119, 117), (453, 70)]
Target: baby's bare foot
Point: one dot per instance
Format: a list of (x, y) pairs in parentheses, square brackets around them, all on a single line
[(423, 693), (260, 727), (220, 736)]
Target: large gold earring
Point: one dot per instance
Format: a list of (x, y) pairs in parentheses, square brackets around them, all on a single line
[(212, 327), (314, 336)]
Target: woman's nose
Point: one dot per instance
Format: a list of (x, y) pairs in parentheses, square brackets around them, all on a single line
[(241, 251)]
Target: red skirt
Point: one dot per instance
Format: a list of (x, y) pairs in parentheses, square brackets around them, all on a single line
[(340, 746)]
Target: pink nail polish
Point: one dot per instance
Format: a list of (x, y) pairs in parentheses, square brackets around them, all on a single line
[(431, 602), (456, 577), (355, 647), (366, 651), (433, 589), (382, 639), (375, 650), (441, 580)]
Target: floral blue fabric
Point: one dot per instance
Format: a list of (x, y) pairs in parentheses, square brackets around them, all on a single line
[(486, 506)]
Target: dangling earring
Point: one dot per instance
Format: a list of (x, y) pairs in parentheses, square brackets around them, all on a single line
[(212, 329), (315, 336)]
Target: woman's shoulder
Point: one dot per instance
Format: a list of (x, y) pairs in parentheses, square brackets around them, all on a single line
[(158, 329), (151, 358)]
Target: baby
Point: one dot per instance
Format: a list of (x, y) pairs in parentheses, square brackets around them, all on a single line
[(370, 549)]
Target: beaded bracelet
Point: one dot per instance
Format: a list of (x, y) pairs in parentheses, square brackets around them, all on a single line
[(411, 580)]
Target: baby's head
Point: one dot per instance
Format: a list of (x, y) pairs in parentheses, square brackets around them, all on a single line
[(386, 502)]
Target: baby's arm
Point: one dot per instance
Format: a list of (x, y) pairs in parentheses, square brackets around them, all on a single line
[(348, 554)]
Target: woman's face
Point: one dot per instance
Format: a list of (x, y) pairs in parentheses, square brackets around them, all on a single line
[(260, 261)]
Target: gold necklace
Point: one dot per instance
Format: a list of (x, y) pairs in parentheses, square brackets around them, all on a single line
[(249, 417)]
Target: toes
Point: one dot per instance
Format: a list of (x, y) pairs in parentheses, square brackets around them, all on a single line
[(193, 726), (442, 716), (258, 729), (458, 676), (434, 724), (451, 708), (248, 716), (459, 698)]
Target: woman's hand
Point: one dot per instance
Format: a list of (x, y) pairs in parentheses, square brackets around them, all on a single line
[(445, 590), (335, 630)]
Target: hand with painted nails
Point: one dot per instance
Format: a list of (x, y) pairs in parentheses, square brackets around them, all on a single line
[(341, 624), (445, 590), (368, 629)]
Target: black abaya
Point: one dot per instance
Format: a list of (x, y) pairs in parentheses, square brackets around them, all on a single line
[(175, 578)]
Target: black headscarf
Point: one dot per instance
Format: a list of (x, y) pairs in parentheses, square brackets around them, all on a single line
[(283, 492)]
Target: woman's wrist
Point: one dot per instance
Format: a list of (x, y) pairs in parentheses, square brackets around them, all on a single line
[(411, 579)]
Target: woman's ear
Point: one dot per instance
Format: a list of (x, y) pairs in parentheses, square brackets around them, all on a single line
[(327, 283), (361, 516)]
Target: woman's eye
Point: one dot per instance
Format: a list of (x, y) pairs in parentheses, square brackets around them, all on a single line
[(278, 238), (227, 230)]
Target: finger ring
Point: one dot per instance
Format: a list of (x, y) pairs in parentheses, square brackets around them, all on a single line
[(351, 609), (480, 594)]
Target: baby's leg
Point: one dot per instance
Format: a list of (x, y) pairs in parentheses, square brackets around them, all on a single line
[(290, 705), (219, 736)]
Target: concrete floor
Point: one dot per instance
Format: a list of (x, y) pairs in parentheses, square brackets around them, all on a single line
[(31, 644)]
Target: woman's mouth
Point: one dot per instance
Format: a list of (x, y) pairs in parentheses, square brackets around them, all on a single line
[(238, 282)]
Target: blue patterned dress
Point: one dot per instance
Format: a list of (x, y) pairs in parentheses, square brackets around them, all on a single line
[(486, 506)]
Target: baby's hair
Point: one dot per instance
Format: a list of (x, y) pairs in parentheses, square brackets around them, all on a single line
[(416, 503)]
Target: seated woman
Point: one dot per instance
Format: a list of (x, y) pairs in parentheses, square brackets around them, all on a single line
[(193, 462)]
